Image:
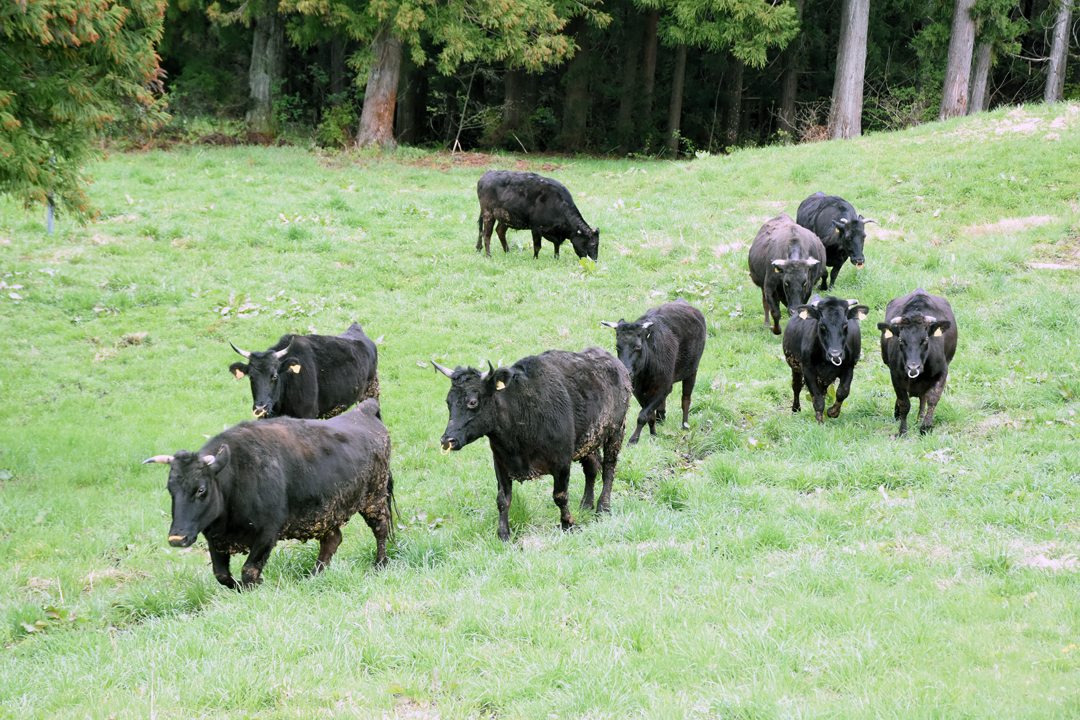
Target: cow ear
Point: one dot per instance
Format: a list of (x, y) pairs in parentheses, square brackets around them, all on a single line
[(219, 461), (938, 329), (646, 325), (238, 370), (293, 365), (886, 329), (858, 312), (807, 311), (501, 378)]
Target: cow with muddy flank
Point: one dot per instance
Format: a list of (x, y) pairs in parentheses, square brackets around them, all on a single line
[(285, 478)]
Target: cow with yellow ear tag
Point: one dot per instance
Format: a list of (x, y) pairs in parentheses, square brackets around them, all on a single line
[(918, 341), (785, 262), (822, 343)]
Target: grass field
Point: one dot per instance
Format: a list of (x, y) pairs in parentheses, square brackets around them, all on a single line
[(756, 566)]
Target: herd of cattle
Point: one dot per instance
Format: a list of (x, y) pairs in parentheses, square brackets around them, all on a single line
[(304, 467)]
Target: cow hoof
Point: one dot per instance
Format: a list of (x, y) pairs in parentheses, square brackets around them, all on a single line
[(775, 330), (796, 408), (833, 412)]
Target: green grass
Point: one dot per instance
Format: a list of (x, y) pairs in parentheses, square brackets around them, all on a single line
[(756, 566)]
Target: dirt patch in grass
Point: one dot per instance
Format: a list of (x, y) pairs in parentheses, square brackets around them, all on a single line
[(1066, 562), (1062, 255), (1020, 122), (445, 161), (1008, 226)]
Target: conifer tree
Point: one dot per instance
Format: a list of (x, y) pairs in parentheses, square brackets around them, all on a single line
[(69, 68)]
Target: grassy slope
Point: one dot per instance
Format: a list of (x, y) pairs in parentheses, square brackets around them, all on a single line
[(757, 566)]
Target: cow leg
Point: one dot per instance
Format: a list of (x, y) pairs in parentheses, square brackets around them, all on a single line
[(796, 388), (561, 495), (557, 243), (501, 230), (817, 394), (903, 407), (922, 407), (611, 457), (768, 310), (378, 518), (503, 498), (251, 574), (843, 389), (773, 308), (661, 412), (833, 273), (687, 389), (590, 464), (825, 279), (219, 561), (328, 545), (537, 240), (932, 396), (489, 223), (480, 232)]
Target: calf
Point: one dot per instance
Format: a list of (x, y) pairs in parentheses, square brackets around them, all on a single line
[(540, 415), (785, 262), (840, 228), (918, 342), (526, 201), (659, 349), (822, 343), (311, 376), (260, 482)]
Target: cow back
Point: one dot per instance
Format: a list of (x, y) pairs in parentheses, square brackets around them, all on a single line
[(675, 344), (335, 370)]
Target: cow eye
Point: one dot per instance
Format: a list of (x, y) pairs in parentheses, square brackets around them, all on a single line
[(200, 492), (473, 403), (273, 377)]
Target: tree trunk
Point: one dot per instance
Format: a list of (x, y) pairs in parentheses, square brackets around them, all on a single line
[(624, 124), (734, 108), (675, 106), (845, 113), (1059, 54), (514, 100), (648, 72), (789, 81), (380, 98), (337, 66), (576, 107), (267, 68), (412, 93), (980, 79), (954, 100)]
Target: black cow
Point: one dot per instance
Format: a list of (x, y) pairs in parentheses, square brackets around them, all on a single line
[(918, 341), (841, 229), (311, 376), (822, 342), (661, 348), (785, 262), (526, 201), (260, 482), (541, 414)]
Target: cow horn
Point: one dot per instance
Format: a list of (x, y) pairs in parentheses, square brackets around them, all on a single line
[(647, 324), (868, 220), (811, 261), (282, 353), (609, 324), (844, 221), (242, 352), (491, 369), (852, 303), (930, 319), (896, 320), (208, 459), (444, 370), (158, 459)]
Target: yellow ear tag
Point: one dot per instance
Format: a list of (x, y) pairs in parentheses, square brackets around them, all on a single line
[(500, 385), (238, 374), (803, 314), (776, 269), (862, 316), (295, 368), (888, 334), (937, 333), (837, 230)]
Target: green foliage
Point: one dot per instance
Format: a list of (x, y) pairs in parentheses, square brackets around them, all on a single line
[(338, 127), (748, 28), (68, 69)]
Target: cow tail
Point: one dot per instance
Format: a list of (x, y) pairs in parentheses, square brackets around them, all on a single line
[(391, 504)]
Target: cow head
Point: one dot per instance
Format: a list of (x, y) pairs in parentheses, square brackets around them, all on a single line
[(267, 381), (197, 500), (913, 333), (852, 235), (587, 243), (832, 315), (471, 403), (630, 344), (798, 278)]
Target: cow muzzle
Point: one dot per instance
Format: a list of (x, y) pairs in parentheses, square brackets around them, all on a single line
[(259, 411), (181, 540), (448, 444), (836, 359), (858, 264), (913, 371)]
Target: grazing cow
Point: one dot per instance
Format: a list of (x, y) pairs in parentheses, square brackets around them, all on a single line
[(840, 228), (822, 342), (311, 376), (526, 201), (260, 482), (918, 341), (659, 349), (785, 261), (541, 414)]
